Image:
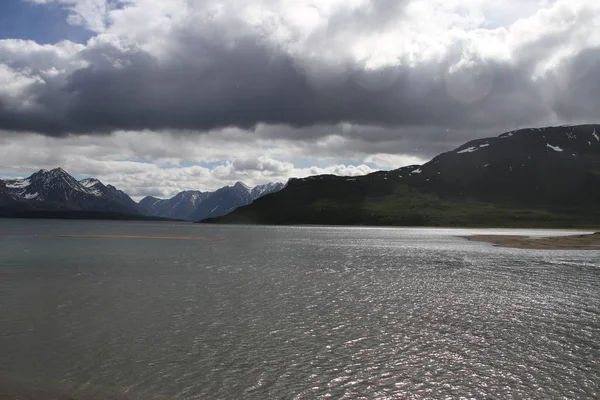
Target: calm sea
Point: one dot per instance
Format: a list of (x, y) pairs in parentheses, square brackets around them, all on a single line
[(291, 313)]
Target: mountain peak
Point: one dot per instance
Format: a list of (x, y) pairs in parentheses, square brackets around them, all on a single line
[(58, 172), (55, 176), (261, 190), (241, 185), (53, 173)]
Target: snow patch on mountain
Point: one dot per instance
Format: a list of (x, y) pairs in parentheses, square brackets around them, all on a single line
[(17, 183), (31, 196), (555, 148), (95, 192), (467, 150), (89, 182)]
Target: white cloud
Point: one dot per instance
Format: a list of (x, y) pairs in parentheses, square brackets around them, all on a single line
[(341, 170), (29, 55), (261, 164), (372, 33), (393, 161), (17, 89)]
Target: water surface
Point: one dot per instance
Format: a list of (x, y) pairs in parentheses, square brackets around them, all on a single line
[(292, 313)]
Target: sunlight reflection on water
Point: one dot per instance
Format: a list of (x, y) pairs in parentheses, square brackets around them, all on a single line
[(294, 312)]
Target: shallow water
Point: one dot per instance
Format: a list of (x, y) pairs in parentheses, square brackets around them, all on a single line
[(294, 313)]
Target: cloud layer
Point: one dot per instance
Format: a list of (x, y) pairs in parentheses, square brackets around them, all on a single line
[(202, 65)]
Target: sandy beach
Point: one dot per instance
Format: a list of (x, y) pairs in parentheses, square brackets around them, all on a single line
[(571, 242)]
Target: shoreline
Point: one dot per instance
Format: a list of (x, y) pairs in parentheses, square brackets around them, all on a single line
[(570, 242)]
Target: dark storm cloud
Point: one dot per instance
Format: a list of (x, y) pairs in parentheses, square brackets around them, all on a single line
[(209, 85), (578, 97)]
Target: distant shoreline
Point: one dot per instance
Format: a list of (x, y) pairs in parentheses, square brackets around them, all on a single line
[(570, 242), (80, 215)]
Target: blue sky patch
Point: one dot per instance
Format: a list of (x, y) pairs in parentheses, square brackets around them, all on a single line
[(43, 23)]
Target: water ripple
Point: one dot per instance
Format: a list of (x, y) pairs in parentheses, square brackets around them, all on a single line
[(303, 313)]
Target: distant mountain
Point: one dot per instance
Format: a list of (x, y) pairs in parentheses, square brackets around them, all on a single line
[(148, 205), (182, 206), (530, 177), (109, 192), (194, 205), (263, 190), (57, 190), (55, 193), (223, 201)]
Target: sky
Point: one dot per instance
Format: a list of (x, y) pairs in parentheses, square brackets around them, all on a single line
[(156, 97)]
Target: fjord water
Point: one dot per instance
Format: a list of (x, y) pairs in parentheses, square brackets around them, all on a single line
[(293, 313)]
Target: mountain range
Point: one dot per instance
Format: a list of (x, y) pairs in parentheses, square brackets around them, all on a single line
[(56, 193), (530, 177), (195, 205)]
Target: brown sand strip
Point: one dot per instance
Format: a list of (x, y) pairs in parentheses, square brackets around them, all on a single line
[(574, 242), (133, 237)]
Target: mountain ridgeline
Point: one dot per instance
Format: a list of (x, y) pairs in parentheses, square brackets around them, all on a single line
[(181, 206), (531, 177), (55, 193)]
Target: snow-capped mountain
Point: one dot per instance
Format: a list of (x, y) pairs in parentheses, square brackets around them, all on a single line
[(194, 205), (57, 190), (48, 186), (181, 206)]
